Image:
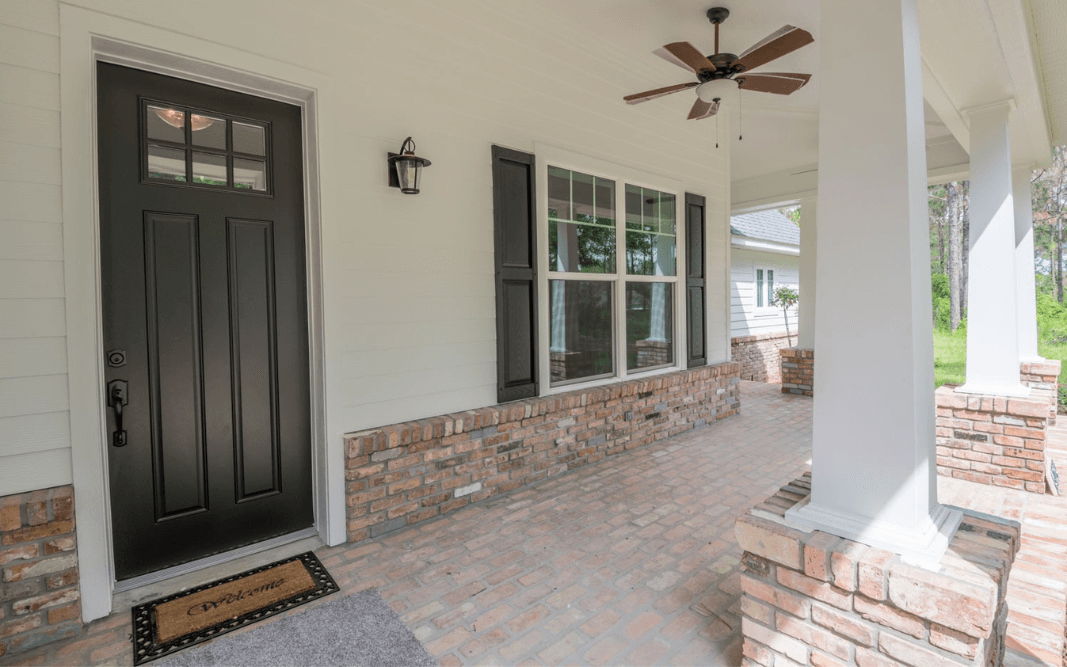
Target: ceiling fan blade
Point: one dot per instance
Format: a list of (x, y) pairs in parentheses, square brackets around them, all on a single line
[(637, 98), (684, 54), (702, 109), (779, 84), (775, 45)]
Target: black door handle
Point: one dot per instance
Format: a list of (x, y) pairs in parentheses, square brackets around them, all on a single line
[(118, 395)]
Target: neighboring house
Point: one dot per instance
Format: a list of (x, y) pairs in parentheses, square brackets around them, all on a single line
[(764, 254)]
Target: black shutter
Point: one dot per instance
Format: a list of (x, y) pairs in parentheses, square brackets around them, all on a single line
[(695, 274), (516, 274)]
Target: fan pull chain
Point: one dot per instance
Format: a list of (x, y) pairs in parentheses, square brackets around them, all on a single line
[(740, 132), (716, 130)]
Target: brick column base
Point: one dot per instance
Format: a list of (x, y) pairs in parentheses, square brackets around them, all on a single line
[(992, 439), (39, 594), (1044, 378), (798, 371), (816, 599)]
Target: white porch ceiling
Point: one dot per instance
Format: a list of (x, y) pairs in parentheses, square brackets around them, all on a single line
[(975, 52)]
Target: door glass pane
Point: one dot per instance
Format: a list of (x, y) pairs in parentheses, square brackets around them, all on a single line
[(649, 325), (208, 131), (759, 288), (166, 163), (209, 169), (166, 124), (248, 139), (581, 323), (249, 174), (770, 287)]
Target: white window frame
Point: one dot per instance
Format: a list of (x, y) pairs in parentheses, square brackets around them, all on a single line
[(622, 175), (768, 296)]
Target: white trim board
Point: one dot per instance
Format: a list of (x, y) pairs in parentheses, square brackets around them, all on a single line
[(85, 37)]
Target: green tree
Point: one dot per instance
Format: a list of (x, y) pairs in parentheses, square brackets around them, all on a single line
[(785, 298)]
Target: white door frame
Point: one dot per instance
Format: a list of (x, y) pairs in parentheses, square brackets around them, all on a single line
[(86, 37)]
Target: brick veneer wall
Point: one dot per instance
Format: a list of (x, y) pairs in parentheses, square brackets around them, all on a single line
[(406, 473), (39, 594), (758, 355), (798, 371), (1043, 377), (816, 599), (992, 439)]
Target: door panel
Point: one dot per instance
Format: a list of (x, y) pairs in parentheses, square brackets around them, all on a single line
[(251, 269), (204, 287)]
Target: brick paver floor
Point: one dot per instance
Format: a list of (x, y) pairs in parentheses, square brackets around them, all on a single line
[(631, 560)]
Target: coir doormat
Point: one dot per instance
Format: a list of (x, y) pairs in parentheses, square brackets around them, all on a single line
[(178, 621)]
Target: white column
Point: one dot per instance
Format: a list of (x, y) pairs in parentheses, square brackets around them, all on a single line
[(873, 468), (808, 254), (1025, 289), (992, 331)]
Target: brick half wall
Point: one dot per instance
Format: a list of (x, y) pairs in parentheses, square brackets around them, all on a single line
[(39, 593), (405, 473), (811, 598), (758, 355)]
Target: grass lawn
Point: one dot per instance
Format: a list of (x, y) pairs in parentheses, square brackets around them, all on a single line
[(950, 357)]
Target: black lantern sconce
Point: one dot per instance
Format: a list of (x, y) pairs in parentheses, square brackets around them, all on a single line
[(405, 168)]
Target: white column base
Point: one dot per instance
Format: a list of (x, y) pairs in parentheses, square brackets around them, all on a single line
[(1018, 390), (923, 549)]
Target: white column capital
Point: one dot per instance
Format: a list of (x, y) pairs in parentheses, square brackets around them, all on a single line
[(1006, 104)]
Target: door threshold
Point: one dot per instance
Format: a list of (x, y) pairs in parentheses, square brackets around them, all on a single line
[(131, 592)]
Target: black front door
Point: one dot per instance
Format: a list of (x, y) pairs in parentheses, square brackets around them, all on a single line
[(204, 318)]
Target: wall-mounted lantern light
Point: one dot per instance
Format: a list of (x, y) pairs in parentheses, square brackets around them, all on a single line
[(405, 168)]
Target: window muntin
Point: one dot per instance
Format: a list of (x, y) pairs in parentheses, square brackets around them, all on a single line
[(651, 242), (637, 325), (183, 146), (581, 222)]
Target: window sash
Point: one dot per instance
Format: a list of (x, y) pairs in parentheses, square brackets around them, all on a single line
[(621, 177)]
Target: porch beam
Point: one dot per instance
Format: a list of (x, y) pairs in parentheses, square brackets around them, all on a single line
[(873, 471), (992, 331)]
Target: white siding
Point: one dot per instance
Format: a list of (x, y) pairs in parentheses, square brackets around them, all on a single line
[(746, 318), (34, 424), (409, 279)]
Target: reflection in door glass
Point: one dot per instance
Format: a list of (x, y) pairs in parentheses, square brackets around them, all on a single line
[(166, 124), (249, 174), (208, 131), (209, 169), (248, 139), (166, 163)]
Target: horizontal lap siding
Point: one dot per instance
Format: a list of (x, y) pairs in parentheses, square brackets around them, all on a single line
[(34, 423), (409, 296), (744, 318)]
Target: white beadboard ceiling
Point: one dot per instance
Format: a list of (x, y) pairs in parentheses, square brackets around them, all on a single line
[(979, 51)]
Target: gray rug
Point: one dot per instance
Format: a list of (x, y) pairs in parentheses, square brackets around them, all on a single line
[(359, 630)]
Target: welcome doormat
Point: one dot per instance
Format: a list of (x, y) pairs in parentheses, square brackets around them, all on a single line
[(178, 621)]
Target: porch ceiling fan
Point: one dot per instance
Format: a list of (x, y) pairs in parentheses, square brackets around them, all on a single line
[(723, 74)]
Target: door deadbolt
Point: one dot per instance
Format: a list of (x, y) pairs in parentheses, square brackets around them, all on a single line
[(116, 358)]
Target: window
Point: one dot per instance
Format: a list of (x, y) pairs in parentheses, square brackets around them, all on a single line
[(611, 287), (182, 146), (764, 287)]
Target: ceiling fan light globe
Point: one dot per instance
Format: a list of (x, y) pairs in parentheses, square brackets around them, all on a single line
[(724, 90)]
